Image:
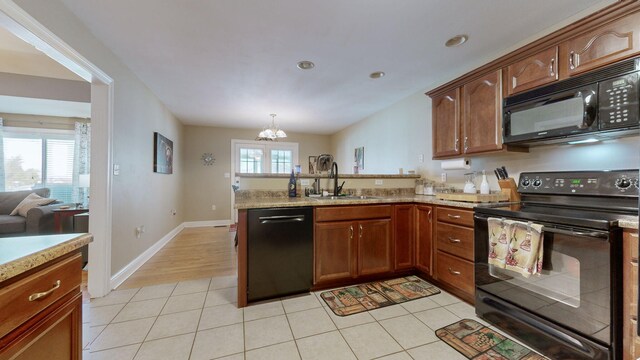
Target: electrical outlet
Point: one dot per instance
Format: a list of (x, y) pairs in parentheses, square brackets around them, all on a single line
[(173, 212), (304, 182), (116, 169), (421, 158), (379, 182), (138, 232), (213, 207), (443, 177)]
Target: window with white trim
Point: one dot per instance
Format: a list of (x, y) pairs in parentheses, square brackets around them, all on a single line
[(257, 157), (37, 159)]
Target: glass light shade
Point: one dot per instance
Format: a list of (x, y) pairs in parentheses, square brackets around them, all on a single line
[(281, 134)]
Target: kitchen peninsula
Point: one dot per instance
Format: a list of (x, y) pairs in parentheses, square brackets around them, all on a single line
[(40, 296)]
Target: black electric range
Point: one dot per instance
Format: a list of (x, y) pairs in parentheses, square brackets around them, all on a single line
[(572, 308)]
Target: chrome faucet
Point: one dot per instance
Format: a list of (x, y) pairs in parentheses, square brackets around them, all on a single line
[(334, 175)]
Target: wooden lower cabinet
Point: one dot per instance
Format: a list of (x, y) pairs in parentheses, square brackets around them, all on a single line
[(631, 340), (404, 236), (334, 251), (454, 249), (424, 231), (374, 247), (361, 246), (48, 325)]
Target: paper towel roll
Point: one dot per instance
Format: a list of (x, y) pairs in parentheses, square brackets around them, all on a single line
[(455, 164)]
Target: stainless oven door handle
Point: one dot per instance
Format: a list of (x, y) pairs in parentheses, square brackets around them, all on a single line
[(594, 234)]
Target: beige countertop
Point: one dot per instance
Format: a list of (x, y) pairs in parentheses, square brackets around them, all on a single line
[(307, 201), (20, 254), (629, 222)]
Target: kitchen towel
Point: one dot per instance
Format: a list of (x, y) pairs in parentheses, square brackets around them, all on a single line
[(498, 241), (526, 248)]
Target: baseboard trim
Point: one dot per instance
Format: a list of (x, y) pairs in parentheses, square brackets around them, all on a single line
[(190, 224), (122, 275)]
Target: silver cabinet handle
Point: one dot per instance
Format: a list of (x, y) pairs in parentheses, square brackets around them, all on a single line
[(360, 228), (552, 67), (453, 240), (40, 295), (453, 272), (453, 216), (571, 60), (634, 261), (429, 216), (350, 232), (466, 147), (457, 142)]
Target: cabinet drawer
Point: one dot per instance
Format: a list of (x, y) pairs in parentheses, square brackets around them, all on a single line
[(455, 216), (344, 213), (15, 299), (455, 240), (455, 272)]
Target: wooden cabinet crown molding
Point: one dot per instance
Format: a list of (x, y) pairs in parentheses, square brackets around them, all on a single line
[(610, 13)]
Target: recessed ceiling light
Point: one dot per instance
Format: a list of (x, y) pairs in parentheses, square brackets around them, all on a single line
[(305, 65), (456, 40), (376, 75)]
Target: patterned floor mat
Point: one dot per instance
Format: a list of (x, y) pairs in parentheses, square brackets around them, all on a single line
[(478, 342), (355, 299)]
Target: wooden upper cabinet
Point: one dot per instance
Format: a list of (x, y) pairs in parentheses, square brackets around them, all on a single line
[(446, 124), (537, 70), (601, 46), (482, 115)]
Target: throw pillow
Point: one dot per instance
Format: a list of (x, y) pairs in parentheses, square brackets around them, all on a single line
[(29, 203)]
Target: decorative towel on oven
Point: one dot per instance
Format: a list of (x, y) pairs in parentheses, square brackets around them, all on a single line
[(498, 241), (515, 245), (526, 248)]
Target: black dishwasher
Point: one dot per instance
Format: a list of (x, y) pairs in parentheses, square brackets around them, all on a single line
[(279, 252)]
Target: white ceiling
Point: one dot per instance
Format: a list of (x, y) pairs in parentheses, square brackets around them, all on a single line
[(233, 62)]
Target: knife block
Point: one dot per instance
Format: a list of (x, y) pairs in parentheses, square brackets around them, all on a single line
[(509, 187)]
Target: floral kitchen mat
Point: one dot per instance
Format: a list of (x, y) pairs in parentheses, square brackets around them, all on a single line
[(478, 342), (355, 299)]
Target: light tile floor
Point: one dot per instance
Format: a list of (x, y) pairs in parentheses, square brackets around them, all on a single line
[(198, 319)]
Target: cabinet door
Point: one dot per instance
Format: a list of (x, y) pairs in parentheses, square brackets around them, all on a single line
[(374, 246), (334, 251), (630, 339), (424, 231), (534, 71), (57, 336), (446, 124), (482, 116), (609, 43), (404, 234)]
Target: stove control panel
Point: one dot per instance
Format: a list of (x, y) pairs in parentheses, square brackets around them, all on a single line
[(603, 183)]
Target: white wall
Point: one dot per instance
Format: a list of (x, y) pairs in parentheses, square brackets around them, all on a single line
[(140, 197), (396, 136)]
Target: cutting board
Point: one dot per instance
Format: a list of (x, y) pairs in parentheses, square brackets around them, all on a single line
[(476, 198)]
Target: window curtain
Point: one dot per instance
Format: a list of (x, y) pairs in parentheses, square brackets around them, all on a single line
[(81, 162), (1, 155)]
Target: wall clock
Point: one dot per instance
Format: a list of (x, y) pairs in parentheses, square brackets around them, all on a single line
[(208, 159)]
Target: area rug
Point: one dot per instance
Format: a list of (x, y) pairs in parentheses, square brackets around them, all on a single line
[(478, 342), (355, 299)]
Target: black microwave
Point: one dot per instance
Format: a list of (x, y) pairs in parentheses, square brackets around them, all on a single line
[(599, 104)]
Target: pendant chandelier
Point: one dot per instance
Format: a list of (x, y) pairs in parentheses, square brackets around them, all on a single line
[(272, 132)]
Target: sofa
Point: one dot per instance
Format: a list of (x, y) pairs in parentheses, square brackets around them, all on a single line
[(38, 221)]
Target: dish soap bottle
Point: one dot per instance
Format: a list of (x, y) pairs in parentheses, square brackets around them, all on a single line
[(484, 186), (292, 185)]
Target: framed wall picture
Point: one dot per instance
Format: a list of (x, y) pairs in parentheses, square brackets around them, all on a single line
[(162, 154), (312, 164), (358, 157)]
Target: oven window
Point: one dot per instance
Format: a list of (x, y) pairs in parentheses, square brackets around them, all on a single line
[(562, 114), (558, 281)]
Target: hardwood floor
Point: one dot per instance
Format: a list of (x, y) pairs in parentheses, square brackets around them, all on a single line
[(194, 253)]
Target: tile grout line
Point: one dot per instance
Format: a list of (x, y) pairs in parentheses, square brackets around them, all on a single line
[(109, 323), (193, 344), (154, 322)]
